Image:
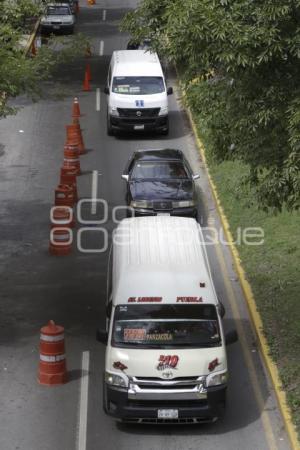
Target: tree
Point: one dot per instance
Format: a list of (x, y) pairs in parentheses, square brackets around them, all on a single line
[(20, 74), (240, 61)]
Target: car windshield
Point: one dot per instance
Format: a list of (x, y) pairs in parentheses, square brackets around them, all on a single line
[(138, 85), (168, 326), (158, 170), (58, 11)]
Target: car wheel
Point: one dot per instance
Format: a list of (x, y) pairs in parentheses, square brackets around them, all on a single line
[(110, 131)]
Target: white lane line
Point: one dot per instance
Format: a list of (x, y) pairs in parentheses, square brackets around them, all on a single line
[(84, 390), (94, 192), (98, 99), (101, 48), (104, 15)]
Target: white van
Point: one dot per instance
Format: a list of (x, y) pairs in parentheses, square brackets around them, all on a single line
[(165, 356), (136, 93)]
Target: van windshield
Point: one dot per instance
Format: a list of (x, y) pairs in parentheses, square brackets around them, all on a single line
[(138, 85), (166, 326)]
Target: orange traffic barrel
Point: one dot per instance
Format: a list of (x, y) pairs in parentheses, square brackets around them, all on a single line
[(68, 177), (52, 365), (64, 195), (62, 216), (60, 241), (71, 158), (77, 130)]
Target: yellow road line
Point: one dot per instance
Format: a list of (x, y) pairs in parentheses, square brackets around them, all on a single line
[(254, 314)]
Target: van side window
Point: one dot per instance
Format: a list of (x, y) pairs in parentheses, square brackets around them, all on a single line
[(109, 77), (109, 277)]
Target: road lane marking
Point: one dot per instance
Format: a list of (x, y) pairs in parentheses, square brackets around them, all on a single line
[(104, 15), (265, 417), (101, 48), (98, 99), (83, 408), (94, 192)]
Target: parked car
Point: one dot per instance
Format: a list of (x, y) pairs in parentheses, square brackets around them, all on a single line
[(58, 17), (160, 181), (72, 3), (134, 45)]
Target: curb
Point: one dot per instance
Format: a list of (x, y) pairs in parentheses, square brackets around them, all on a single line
[(32, 37), (247, 290)]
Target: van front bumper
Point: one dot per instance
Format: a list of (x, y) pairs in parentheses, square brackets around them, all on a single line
[(159, 123), (181, 212), (117, 404)]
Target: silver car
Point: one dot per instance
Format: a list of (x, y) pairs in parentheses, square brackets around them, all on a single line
[(58, 17)]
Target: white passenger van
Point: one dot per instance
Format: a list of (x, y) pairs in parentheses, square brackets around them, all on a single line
[(136, 93), (165, 356)]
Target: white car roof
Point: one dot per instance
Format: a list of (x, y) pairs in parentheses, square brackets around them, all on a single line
[(136, 63), (161, 259)]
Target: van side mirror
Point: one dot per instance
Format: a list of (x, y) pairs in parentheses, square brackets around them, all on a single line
[(125, 177), (196, 176), (102, 336), (106, 90), (169, 91), (231, 337)]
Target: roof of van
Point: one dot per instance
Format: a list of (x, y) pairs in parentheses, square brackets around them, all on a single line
[(161, 259), (136, 63)]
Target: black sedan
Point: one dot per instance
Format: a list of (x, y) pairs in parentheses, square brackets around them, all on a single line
[(160, 182)]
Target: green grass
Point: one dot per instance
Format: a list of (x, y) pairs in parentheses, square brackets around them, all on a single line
[(272, 270)]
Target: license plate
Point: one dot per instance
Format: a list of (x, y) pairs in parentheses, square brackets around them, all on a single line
[(56, 27), (167, 414), (139, 127), (163, 214)]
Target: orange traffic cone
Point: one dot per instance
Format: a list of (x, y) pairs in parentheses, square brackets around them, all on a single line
[(76, 108), (33, 48), (74, 134), (86, 84), (88, 69), (52, 366)]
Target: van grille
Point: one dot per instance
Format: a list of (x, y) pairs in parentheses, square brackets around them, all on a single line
[(143, 112)]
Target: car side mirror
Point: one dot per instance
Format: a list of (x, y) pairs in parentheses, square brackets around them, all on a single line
[(106, 90), (196, 176), (102, 336), (125, 177), (231, 337), (169, 91)]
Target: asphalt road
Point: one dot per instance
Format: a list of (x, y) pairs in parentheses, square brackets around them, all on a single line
[(36, 287)]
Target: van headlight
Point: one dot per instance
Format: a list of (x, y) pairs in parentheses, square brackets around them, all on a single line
[(163, 111), (113, 111), (183, 204), (114, 379), (215, 379), (141, 204)]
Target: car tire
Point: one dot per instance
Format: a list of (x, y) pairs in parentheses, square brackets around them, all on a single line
[(110, 131)]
